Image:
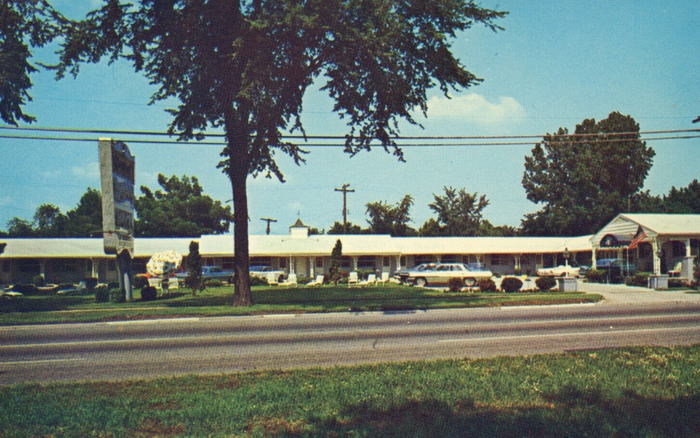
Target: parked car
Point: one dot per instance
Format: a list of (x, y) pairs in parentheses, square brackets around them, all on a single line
[(211, 272), (566, 270), (405, 274), (263, 272), (616, 267), (442, 272)]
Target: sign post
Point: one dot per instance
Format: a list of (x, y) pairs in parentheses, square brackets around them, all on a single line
[(118, 204)]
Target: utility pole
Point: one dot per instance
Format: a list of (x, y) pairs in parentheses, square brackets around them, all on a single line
[(344, 188), (268, 220)]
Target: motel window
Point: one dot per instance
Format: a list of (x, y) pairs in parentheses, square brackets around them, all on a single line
[(283, 262), (346, 262), (678, 249), (501, 260), (365, 262), (227, 263), (111, 266), (424, 259), (386, 262), (449, 258), (319, 262)]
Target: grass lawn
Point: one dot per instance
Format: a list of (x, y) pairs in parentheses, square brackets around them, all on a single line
[(635, 392), (216, 301)]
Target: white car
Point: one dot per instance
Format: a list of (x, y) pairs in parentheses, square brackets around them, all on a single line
[(559, 271), (264, 273), (443, 272)]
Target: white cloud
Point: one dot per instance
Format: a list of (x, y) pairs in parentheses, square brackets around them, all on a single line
[(50, 174), (90, 170), (476, 108)]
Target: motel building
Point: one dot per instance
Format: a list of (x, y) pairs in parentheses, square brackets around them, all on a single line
[(658, 243)]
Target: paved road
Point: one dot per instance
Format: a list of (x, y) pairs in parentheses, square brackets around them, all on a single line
[(145, 349)]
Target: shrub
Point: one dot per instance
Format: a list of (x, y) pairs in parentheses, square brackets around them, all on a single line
[(140, 282), (213, 282), (39, 280), (595, 276), (511, 284), (676, 282), (257, 281), (116, 295), (638, 279), (102, 294), (697, 275), (487, 285), (545, 283), (149, 293), (455, 284)]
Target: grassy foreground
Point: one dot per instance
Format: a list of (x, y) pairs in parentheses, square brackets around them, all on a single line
[(652, 392), (217, 302)]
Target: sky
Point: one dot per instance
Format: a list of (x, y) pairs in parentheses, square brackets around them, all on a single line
[(555, 64)]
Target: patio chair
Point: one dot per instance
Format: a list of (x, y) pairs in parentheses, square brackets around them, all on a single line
[(291, 281), (371, 279), (676, 271), (384, 278), (317, 282), (271, 278), (352, 278)]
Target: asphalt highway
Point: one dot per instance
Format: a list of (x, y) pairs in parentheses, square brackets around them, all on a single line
[(170, 347)]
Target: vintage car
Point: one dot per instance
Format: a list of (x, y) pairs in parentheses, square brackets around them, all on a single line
[(442, 272), (211, 272), (265, 272), (405, 274)]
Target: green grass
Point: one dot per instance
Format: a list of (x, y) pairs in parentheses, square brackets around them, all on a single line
[(217, 301), (635, 392)]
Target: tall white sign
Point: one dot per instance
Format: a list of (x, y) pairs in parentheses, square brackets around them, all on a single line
[(118, 202)]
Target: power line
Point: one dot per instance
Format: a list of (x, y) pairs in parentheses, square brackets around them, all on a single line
[(342, 137), (339, 145)]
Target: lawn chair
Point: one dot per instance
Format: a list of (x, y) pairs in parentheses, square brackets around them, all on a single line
[(384, 278), (317, 282), (291, 281), (371, 280), (676, 271), (352, 278), (271, 278)]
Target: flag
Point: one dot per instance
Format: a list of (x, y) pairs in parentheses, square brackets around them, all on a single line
[(637, 240)]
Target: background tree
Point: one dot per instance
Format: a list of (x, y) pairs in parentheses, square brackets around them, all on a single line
[(339, 228), (244, 66), (85, 220), (17, 227), (24, 25), (49, 221), (388, 219), (459, 213), (179, 210), (336, 261), (585, 179), (194, 268)]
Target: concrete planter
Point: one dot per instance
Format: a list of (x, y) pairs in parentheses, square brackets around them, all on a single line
[(658, 282), (567, 284)]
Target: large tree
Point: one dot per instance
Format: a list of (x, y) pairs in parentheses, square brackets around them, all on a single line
[(391, 219), (584, 179), (459, 213), (179, 209), (244, 66), (24, 24)]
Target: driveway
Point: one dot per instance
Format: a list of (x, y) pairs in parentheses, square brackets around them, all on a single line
[(622, 294)]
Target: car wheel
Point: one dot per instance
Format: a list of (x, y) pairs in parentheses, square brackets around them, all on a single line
[(469, 282), (421, 282)]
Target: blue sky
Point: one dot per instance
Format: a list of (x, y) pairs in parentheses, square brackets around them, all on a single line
[(555, 64)]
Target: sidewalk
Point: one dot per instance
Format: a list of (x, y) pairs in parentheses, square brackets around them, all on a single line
[(620, 294)]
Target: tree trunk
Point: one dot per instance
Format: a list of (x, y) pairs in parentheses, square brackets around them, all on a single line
[(242, 295)]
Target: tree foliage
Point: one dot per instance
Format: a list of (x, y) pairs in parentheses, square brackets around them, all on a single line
[(180, 209), (583, 180), (336, 260), (678, 200), (391, 219), (459, 213), (194, 268), (24, 24), (339, 228)]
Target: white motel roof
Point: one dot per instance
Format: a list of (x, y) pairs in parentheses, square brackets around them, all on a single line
[(664, 225), (313, 245)]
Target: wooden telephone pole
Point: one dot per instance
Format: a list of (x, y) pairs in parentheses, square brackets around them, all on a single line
[(268, 220), (344, 188)]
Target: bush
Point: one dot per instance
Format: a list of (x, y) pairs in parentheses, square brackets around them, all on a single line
[(676, 282), (455, 284), (487, 285), (257, 281), (697, 275), (116, 295), (545, 283), (638, 279), (39, 280), (149, 293), (595, 276), (102, 294), (511, 284), (140, 282)]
